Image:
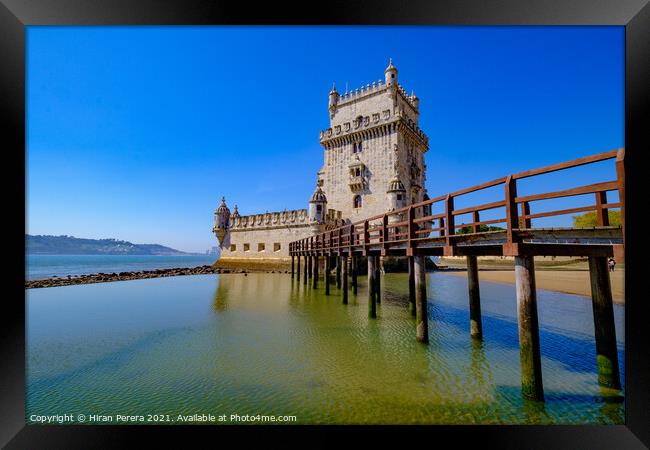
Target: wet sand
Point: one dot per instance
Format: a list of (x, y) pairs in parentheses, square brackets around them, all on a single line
[(568, 281)]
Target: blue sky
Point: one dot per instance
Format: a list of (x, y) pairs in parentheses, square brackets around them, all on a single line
[(136, 132)]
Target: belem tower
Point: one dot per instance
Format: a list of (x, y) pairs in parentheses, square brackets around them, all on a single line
[(373, 162)]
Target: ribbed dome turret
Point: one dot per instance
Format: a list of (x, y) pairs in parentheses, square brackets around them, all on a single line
[(390, 74), (390, 67), (223, 209), (395, 185), (318, 197), (235, 213)]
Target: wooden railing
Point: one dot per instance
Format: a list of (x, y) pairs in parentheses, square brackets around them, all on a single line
[(416, 223)]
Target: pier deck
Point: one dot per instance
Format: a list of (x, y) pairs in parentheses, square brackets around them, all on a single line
[(416, 232)]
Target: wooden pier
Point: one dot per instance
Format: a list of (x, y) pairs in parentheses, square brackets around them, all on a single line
[(416, 232)]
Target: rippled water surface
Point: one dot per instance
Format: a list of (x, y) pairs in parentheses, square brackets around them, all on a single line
[(262, 344)]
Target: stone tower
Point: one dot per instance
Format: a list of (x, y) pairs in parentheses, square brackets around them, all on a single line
[(373, 149)]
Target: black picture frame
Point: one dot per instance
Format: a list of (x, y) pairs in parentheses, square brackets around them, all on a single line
[(15, 15)]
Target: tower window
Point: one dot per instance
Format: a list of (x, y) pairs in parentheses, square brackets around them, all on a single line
[(319, 208), (357, 201), (247, 247), (399, 197), (233, 248), (276, 247), (261, 247)]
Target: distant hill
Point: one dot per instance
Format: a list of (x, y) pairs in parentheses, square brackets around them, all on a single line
[(70, 245)]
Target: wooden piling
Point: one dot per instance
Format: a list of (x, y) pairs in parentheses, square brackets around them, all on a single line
[(315, 271), (529, 352), (344, 290), (475, 325), (372, 305), (298, 266), (306, 264), (292, 266), (328, 268), (605, 332), (339, 259), (310, 266), (411, 285), (421, 316), (377, 279), (355, 269)]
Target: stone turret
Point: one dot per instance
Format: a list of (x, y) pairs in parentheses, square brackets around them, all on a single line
[(333, 99), (415, 101), (222, 221), (390, 73), (318, 206), (396, 194)]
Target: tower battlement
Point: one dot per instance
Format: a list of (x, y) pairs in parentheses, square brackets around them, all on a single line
[(374, 88)]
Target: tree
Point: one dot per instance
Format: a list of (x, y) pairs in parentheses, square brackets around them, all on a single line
[(468, 229), (589, 219)]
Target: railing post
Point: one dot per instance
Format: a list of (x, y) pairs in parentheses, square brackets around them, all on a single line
[(384, 234), (512, 220), (451, 228), (475, 218), (366, 237), (620, 176), (411, 230), (602, 214), (449, 216), (351, 243), (524, 221), (338, 240), (442, 227)]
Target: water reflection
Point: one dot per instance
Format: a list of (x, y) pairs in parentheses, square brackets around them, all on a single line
[(268, 344)]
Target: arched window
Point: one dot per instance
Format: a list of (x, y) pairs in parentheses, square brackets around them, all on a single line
[(357, 201)]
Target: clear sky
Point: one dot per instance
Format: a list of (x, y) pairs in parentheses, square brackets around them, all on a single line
[(135, 133)]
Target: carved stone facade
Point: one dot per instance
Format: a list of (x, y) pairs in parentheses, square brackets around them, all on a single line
[(372, 145)]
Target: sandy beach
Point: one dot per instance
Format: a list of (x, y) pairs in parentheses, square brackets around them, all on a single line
[(568, 281)]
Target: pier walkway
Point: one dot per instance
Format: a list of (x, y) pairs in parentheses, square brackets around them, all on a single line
[(436, 227)]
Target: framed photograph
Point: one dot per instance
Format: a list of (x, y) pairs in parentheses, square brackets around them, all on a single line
[(393, 221)]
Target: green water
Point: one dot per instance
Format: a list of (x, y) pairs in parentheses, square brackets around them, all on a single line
[(262, 344)]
